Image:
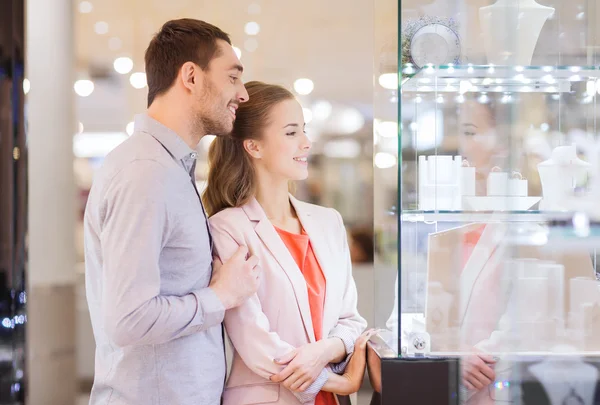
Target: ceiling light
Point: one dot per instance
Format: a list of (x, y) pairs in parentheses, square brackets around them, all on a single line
[(303, 86), (238, 52), (129, 128), (384, 160), (308, 115), (123, 65), (389, 81), (101, 28), (322, 110), (114, 44), (85, 7), (387, 129), (26, 86), (252, 28), (254, 8), (138, 80), (84, 88), (251, 44)]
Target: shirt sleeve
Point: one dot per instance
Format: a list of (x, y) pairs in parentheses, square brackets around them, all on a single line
[(134, 230)]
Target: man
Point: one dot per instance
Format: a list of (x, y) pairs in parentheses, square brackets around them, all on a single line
[(155, 312)]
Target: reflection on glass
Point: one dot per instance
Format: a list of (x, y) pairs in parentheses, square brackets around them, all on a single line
[(497, 221)]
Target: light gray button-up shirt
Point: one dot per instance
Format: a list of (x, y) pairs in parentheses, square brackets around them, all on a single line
[(148, 258)]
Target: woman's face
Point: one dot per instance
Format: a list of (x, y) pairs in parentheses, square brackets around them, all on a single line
[(478, 139), (284, 147)]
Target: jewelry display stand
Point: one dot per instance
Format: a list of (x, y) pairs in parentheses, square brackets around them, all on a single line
[(515, 45), (559, 176)]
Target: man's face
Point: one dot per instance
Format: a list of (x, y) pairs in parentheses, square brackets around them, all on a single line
[(222, 91)]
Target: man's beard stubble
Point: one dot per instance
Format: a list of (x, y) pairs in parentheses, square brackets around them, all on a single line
[(208, 119)]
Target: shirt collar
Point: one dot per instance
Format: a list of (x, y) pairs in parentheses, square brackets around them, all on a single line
[(166, 136)]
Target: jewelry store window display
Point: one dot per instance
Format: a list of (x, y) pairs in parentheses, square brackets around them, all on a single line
[(473, 310)]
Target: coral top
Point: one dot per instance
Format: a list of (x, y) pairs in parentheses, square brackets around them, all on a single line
[(302, 252)]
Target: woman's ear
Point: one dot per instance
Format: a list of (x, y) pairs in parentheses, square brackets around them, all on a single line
[(253, 148)]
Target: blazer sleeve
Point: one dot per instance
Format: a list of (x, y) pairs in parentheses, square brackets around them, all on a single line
[(248, 327), (350, 324)]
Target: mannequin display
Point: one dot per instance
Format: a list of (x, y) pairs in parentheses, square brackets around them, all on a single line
[(512, 46), (559, 176)]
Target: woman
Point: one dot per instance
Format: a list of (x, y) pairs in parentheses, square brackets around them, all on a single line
[(299, 330)]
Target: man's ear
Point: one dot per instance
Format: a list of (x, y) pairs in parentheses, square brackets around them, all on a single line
[(189, 75), (253, 148)]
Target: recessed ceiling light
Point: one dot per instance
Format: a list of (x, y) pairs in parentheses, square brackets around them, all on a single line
[(384, 160), (84, 88), (303, 86), (138, 80), (123, 65), (252, 28), (101, 27), (389, 81), (85, 7)]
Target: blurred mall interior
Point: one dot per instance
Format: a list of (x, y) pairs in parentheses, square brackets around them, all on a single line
[(72, 79), (83, 82)]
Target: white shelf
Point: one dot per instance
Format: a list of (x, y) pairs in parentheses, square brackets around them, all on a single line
[(497, 79), (481, 216)]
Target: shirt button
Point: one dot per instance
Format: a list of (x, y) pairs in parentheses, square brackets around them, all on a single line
[(193, 155)]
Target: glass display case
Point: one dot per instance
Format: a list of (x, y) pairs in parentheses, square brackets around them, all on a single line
[(487, 189)]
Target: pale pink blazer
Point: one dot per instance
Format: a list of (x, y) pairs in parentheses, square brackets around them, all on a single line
[(277, 318)]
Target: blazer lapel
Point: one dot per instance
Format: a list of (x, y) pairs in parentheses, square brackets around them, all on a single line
[(480, 260), (271, 239), (319, 243)]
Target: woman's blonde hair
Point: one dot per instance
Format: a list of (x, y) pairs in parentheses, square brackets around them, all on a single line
[(231, 177)]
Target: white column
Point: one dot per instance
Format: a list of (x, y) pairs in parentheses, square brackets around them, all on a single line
[(51, 273)]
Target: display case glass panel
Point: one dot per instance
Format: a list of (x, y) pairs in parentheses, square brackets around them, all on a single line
[(487, 189)]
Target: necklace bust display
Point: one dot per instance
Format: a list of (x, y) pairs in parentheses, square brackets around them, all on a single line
[(512, 47)]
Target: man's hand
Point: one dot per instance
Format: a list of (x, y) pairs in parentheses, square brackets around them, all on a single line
[(237, 279), (478, 371), (302, 366)]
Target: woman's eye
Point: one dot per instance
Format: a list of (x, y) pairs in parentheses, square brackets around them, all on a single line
[(291, 133), (233, 79)]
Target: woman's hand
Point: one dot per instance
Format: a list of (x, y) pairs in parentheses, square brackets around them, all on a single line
[(351, 380), (302, 366), (478, 371)]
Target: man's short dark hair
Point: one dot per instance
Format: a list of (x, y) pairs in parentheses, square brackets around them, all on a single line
[(178, 42)]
